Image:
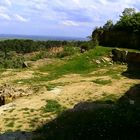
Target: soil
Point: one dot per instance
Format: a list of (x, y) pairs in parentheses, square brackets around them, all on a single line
[(25, 113)]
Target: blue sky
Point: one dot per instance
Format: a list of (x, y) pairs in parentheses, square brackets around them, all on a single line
[(59, 17)]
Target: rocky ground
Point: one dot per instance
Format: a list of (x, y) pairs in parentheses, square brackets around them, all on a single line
[(23, 109)]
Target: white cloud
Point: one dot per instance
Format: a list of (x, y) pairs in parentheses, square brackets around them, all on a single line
[(8, 2), (83, 14), (70, 23), (5, 16), (20, 18), (93, 9)]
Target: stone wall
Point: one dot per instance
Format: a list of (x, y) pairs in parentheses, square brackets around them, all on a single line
[(132, 59)]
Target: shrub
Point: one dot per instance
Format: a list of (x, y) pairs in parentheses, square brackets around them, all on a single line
[(68, 51)]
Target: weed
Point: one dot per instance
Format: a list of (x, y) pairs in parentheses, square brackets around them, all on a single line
[(10, 124)]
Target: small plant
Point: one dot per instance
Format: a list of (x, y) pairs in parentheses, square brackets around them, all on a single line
[(53, 106), (10, 124), (25, 109)]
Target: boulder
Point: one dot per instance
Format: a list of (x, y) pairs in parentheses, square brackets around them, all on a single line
[(131, 58), (133, 61), (25, 65), (119, 55), (132, 96)]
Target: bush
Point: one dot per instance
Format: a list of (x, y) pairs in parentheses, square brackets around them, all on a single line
[(68, 51), (15, 62), (38, 56)]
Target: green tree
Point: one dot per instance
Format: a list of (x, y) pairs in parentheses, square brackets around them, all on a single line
[(128, 12), (129, 21), (108, 25)]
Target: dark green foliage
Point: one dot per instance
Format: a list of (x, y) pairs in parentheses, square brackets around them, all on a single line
[(109, 25), (87, 46), (12, 62), (53, 107), (27, 46), (12, 51), (125, 33)]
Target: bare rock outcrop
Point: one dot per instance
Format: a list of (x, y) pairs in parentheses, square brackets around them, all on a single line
[(119, 55), (133, 61), (8, 93), (132, 96), (131, 58)]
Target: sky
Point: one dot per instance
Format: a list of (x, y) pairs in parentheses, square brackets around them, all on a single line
[(59, 17)]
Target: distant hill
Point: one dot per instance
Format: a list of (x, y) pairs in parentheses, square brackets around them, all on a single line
[(36, 37)]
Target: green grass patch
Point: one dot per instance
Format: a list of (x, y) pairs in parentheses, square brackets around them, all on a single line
[(114, 72), (109, 98), (10, 124), (102, 81), (53, 106), (50, 86), (78, 64)]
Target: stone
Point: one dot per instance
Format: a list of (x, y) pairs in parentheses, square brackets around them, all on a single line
[(98, 62), (119, 55), (132, 96), (25, 65), (131, 58), (133, 61), (106, 59)]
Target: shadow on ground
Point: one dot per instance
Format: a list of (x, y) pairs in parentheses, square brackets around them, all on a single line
[(18, 135), (98, 120), (131, 75)]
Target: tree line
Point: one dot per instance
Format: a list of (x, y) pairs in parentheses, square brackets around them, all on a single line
[(27, 46), (124, 33), (12, 51)]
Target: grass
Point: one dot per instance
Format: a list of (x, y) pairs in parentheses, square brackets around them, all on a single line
[(114, 71), (25, 109), (78, 64), (50, 86), (10, 124), (130, 50), (109, 98), (53, 106), (102, 81)]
